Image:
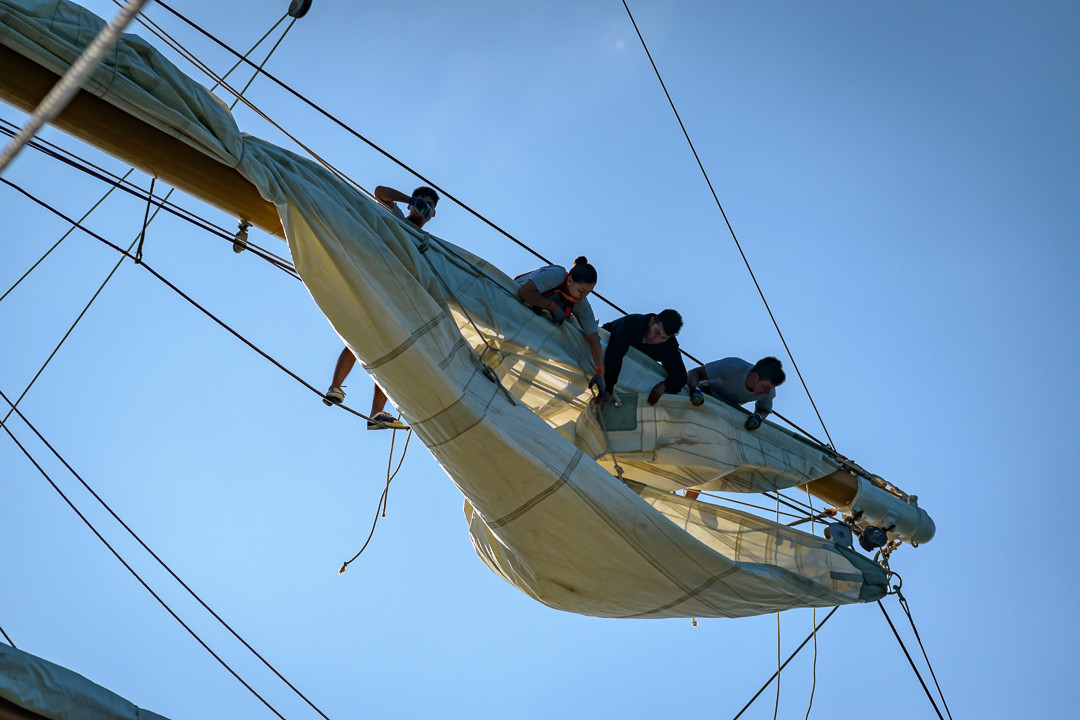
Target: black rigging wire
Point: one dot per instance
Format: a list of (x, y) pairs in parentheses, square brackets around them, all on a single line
[(265, 59), (427, 181), (252, 49), (71, 329), (138, 259), (733, 501), (179, 292), (794, 364), (136, 575), (911, 662), (790, 502), (7, 637), (442, 191), (146, 547), (62, 237), (907, 611), (203, 67), (70, 158), (728, 222), (134, 190), (73, 160), (790, 658)]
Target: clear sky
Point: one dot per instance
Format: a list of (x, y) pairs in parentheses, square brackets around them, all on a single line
[(903, 178)]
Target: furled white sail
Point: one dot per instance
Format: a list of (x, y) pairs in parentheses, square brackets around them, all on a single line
[(498, 394), (47, 690)]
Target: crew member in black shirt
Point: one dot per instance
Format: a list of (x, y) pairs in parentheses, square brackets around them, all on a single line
[(652, 334)]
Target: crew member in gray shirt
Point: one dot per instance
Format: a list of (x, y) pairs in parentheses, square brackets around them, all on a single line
[(558, 294), (737, 381)]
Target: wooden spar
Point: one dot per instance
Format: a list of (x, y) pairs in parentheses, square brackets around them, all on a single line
[(838, 488), (23, 83)]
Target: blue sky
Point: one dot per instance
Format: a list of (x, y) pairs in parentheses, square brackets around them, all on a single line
[(903, 179)]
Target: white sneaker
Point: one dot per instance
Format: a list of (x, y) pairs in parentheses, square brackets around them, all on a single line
[(385, 421), (334, 396)]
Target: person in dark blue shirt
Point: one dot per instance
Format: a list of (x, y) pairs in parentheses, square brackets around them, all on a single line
[(652, 334)]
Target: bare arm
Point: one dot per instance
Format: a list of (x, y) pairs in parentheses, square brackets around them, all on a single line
[(695, 377), (388, 196), (530, 294)]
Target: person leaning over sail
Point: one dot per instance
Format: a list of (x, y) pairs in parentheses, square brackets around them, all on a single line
[(653, 335), (737, 381), (553, 291), (421, 205)]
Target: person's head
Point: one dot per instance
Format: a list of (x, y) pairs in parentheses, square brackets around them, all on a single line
[(581, 279), (422, 205), (766, 375), (664, 325)]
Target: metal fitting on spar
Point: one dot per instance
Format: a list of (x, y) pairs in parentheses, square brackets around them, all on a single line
[(870, 505), (901, 520)]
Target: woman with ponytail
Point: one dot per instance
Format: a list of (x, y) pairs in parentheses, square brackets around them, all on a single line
[(558, 294)]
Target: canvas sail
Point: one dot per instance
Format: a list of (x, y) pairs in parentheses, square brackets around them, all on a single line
[(498, 394)]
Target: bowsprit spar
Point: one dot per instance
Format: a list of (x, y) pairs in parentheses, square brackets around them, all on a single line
[(572, 507)]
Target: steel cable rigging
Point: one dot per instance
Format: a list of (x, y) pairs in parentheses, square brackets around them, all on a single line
[(728, 222), (794, 364), (453, 198), (118, 182), (130, 569)]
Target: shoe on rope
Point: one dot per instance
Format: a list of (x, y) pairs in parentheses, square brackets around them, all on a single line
[(385, 421), (334, 396)]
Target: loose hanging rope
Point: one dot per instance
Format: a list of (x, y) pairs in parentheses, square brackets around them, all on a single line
[(813, 671), (779, 667), (380, 508)]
